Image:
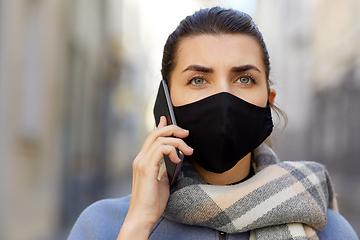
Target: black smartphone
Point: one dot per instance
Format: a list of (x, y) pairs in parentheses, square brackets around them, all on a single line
[(163, 107)]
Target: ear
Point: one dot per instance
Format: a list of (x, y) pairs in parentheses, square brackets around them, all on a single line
[(272, 95)]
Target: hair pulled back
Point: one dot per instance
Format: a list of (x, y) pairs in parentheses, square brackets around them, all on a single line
[(214, 21)]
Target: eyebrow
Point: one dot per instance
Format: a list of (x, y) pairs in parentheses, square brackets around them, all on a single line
[(198, 68), (245, 68), (242, 68)]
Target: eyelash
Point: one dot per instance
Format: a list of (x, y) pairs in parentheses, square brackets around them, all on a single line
[(194, 78), (252, 79)]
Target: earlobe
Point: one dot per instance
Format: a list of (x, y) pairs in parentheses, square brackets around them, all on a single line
[(272, 95)]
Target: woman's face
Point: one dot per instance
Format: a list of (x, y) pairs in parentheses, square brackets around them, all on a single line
[(210, 64)]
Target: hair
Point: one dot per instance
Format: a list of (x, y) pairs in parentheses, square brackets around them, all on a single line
[(215, 21)]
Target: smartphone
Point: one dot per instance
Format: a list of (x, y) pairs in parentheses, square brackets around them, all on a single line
[(163, 107)]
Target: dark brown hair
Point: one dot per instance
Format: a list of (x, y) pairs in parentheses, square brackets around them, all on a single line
[(215, 21)]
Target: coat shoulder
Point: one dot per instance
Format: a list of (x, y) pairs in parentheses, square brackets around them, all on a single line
[(337, 228), (101, 220)]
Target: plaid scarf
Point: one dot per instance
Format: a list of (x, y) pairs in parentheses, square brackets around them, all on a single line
[(283, 200)]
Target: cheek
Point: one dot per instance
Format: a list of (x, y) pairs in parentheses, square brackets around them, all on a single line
[(262, 101), (181, 97), (175, 98), (178, 97), (257, 97)]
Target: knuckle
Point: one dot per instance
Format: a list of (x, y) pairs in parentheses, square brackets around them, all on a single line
[(171, 150), (164, 149), (135, 165), (153, 133), (158, 140), (160, 148), (140, 167)]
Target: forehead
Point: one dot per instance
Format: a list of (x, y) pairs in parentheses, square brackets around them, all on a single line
[(210, 49)]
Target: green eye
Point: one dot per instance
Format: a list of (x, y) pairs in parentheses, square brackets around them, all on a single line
[(198, 81), (244, 80)]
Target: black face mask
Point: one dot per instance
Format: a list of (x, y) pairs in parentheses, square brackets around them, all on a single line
[(223, 129)]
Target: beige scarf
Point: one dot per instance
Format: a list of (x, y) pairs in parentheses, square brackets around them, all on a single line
[(283, 200)]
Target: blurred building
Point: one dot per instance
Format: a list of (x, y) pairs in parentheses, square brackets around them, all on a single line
[(57, 69), (315, 55), (335, 124), (32, 50)]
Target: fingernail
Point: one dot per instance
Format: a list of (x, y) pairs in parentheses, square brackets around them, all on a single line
[(191, 148), (186, 130)]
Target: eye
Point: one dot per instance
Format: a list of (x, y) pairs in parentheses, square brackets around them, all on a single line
[(197, 81), (246, 80)]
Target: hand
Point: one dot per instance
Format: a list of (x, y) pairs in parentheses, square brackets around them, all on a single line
[(150, 195)]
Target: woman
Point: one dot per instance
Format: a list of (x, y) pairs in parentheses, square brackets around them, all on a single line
[(231, 184)]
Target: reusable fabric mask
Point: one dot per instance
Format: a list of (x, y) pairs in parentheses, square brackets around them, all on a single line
[(223, 129)]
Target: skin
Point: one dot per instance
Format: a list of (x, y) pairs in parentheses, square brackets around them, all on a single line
[(210, 64), (206, 65)]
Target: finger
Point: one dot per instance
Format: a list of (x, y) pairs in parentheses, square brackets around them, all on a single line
[(150, 164), (175, 142), (170, 131), (163, 122), (162, 150), (165, 141), (164, 146), (166, 131)]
